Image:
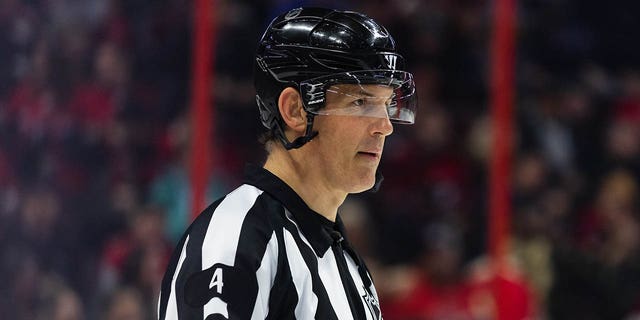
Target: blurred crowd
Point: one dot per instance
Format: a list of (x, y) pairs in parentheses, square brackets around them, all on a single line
[(94, 141)]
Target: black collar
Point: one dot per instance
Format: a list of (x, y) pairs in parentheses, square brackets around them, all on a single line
[(315, 227)]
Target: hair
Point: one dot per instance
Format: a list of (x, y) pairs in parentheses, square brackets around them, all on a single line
[(268, 139)]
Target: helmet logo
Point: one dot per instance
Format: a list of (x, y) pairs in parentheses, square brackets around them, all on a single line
[(314, 93), (391, 61), (293, 13)]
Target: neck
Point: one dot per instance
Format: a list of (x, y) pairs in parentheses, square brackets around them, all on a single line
[(296, 171)]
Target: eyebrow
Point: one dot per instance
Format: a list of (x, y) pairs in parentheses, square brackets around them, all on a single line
[(362, 92), (365, 93), (368, 94)]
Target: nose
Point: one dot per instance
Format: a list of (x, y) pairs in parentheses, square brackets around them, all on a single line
[(382, 126)]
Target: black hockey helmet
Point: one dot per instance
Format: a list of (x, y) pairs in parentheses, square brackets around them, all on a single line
[(313, 49)]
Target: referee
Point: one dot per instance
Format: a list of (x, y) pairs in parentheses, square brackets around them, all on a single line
[(329, 85)]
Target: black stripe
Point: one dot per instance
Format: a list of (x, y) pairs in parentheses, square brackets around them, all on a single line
[(324, 310), (282, 297), (203, 218), (254, 236), (193, 262), (355, 304)]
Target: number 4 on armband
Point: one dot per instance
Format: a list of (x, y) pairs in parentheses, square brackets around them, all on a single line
[(202, 286), (216, 281)]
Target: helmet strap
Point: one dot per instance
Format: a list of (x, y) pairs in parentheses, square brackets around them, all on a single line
[(309, 134)]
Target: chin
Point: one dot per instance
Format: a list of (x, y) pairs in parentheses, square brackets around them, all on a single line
[(364, 184)]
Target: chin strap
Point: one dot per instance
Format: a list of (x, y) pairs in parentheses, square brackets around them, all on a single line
[(309, 134)]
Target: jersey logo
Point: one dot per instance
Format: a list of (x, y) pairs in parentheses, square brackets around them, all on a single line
[(372, 304)]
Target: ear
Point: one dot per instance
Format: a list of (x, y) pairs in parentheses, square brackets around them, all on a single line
[(290, 107)]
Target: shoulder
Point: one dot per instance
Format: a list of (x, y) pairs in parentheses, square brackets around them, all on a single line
[(237, 226), (230, 210)]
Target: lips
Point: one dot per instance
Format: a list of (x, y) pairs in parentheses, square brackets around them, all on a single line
[(370, 153)]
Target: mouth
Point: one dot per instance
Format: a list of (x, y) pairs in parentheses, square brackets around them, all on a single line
[(372, 155)]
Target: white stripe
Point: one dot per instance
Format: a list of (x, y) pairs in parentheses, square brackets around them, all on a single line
[(265, 276), (217, 306), (330, 276), (223, 233), (307, 300), (172, 305), (221, 240)]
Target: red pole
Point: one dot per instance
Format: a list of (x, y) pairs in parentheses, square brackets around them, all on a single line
[(501, 96), (201, 110)]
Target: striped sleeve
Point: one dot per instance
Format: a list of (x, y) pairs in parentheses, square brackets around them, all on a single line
[(224, 266)]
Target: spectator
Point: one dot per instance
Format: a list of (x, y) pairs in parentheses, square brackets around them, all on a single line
[(125, 304), (137, 257), (598, 280), (59, 302)]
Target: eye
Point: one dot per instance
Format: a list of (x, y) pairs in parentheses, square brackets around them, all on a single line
[(359, 102)]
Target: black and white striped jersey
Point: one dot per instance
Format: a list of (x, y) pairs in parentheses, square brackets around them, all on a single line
[(261, 253)]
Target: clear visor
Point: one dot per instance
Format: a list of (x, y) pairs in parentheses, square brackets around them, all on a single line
[(374, 93)]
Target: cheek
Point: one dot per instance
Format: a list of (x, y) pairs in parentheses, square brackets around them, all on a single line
[(341, 138), (331, 146)]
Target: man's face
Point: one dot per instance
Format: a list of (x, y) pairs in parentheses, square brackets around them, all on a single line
[(347, 150)]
